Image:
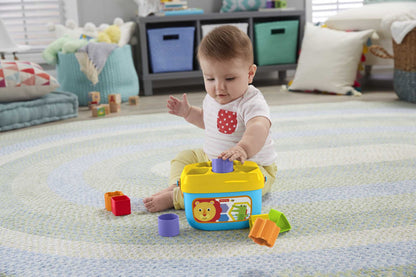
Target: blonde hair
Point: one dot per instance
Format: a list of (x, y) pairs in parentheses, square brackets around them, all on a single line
[(225, 43)]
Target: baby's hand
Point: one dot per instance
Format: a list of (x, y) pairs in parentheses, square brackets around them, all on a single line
[(179, 107), (234, 153)]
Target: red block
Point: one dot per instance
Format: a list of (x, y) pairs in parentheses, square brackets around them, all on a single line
[(120, 205)]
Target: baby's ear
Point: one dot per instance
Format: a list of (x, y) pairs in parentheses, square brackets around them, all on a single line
[(251, 73)]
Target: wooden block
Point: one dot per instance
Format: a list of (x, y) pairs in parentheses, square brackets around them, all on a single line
[(106, 108), (94, 98), (98, 111), (134, 100), (114, 98), (114, 108)]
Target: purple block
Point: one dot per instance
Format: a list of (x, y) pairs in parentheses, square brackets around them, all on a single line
[(168, 225), (222, 166)]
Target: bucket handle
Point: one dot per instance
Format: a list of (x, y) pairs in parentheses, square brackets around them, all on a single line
[(379, 51)]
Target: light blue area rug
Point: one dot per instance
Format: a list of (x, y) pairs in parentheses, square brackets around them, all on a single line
[(346, 183)]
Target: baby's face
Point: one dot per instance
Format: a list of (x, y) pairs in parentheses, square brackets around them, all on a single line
[(228, 80)]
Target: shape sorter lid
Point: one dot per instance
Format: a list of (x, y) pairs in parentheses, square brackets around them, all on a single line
[(199, 178)]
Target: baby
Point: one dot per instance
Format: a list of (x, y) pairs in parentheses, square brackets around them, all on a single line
[(234, 114)]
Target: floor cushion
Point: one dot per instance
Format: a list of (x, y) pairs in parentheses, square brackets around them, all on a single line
[(51, 107)]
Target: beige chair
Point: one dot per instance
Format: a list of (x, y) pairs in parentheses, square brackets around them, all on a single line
[(7, 45)]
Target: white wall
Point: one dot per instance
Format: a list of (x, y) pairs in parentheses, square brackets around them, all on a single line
[(104, 11)]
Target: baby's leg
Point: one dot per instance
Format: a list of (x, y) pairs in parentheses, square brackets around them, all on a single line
[(270, 173), (161, 201), (165, 198), (170, 188)]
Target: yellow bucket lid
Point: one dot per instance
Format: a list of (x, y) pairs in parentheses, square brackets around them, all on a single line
[(199, 178)]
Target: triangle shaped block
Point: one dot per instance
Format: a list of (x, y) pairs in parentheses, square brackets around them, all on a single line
[(280, 219)]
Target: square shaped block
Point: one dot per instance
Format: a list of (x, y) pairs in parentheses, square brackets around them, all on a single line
[(114, 98), (134, 100), (120, 205), (108, 196), (93, 98), (115, 108), (98, 111)]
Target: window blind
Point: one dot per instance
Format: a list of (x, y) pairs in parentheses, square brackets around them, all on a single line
[(27, 23), (322, 9)]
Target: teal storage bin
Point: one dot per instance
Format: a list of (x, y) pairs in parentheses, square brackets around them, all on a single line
[(171, 49), (275, 42), (118, 76)]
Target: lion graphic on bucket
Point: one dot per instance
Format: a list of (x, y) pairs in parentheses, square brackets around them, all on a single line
[(206, 210)]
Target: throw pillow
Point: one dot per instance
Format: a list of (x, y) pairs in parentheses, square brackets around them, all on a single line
[(242, 5), (328, 60), (20, 80)]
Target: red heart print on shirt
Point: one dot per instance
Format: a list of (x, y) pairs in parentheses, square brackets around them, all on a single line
[(226, 121)]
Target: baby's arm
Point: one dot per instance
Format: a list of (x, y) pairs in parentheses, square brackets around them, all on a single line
[(182, 108), (253, 139)]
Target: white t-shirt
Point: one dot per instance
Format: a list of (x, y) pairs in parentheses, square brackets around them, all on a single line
[(226, 124)]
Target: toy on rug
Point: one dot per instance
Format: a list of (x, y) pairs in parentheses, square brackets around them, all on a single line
[(168, 225), (221, 195), (265, 228), (118, 203)]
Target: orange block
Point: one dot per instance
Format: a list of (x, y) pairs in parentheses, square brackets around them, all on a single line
[(108, 196), (264, 232)]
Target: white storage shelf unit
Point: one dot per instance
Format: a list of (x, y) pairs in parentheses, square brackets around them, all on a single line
[(147, 77)]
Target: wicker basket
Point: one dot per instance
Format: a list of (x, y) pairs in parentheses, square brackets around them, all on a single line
[(404, 65)]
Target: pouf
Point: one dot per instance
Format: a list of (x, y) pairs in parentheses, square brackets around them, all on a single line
[(118, 76)]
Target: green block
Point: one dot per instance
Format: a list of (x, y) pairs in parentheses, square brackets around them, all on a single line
[(276, 42), (280, 219)]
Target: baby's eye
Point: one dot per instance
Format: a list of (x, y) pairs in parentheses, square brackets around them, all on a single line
[(230, 78), (210, 79)]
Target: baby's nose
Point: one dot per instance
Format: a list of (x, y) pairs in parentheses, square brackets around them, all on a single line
[(220, 86)]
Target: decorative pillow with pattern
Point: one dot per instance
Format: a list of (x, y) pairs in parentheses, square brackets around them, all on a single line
[(242, 5), (21, 80)]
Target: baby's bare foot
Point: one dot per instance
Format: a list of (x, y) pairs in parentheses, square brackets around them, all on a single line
[(159, 202)]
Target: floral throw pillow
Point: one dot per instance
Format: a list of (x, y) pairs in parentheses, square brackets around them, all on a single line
[(21, 80)]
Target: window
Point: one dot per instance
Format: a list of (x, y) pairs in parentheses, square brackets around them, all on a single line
[(322, 9), (27, 23)]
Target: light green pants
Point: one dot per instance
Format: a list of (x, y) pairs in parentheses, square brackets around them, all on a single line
[(198, 156)]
